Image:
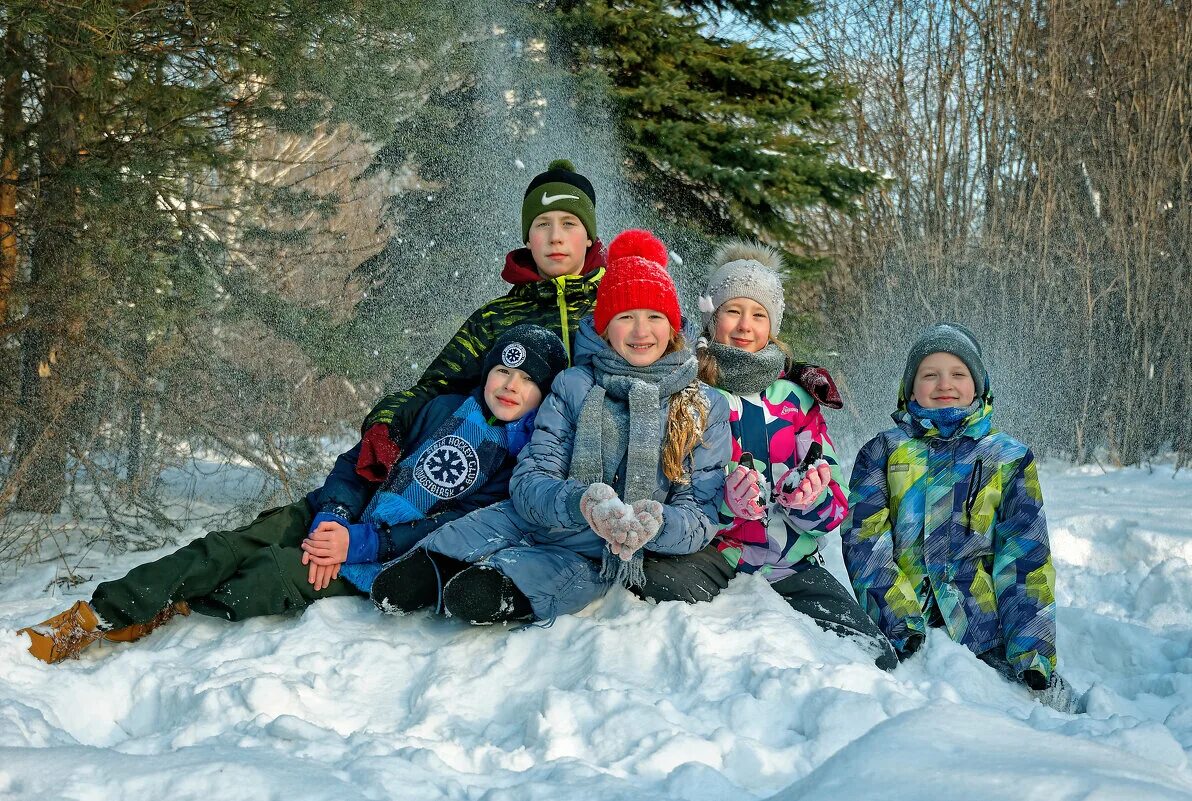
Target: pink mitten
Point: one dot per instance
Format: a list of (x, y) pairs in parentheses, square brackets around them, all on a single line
[(609, 516), (649, 518), (742, 491), (800, 494)]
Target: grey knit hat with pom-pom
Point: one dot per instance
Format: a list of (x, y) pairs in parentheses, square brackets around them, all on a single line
[(745, 270), (560, 188)]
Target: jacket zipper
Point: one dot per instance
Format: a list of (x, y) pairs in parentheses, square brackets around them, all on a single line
[(970, 500), (561, 298)]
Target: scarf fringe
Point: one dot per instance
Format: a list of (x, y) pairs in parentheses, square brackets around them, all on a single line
[(628, 574)]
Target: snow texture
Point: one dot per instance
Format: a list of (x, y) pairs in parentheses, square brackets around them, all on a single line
[(629, 701)]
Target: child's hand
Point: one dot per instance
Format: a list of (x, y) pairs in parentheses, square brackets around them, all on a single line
[(326, 545), (322, 575), (802, 495), (649, 519), (742, 493), (594, 495), (612, 519), (604, 511)]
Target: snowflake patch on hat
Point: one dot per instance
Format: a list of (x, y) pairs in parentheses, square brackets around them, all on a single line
[(514, 355)]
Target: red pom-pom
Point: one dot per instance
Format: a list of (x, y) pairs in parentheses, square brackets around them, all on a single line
[(636, 242)]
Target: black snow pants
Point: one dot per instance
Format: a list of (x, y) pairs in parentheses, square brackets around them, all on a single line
[(247, 572), (816, 593), (692, 578), (813, 591)]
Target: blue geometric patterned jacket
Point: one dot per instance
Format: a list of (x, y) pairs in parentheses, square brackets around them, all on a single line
[(956, 523)]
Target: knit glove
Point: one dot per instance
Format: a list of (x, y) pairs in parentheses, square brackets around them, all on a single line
[(742, 493), (647, 520), (800, 490), (595, 494)]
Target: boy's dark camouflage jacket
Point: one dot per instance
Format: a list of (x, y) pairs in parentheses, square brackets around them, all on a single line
[(557, 304)]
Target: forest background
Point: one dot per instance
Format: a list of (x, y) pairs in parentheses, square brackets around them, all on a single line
[(226, 228)]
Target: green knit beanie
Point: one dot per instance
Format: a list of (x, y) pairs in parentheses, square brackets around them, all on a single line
[(560, 188)]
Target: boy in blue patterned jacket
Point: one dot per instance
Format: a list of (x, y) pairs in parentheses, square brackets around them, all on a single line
[(946, 528), (460, 458)]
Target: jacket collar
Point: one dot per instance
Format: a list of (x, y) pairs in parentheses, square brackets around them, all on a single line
[(975, 426), (520, 267)]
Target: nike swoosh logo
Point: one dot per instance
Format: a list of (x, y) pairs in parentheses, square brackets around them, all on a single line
[(548, 199)]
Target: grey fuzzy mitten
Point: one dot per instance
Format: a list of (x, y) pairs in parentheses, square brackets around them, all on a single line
[(611, 518)]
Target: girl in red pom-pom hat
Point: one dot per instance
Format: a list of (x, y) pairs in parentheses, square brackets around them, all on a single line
[(627, 457)]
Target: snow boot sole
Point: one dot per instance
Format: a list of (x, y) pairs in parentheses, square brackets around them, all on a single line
[(413, 582), (483, 595)]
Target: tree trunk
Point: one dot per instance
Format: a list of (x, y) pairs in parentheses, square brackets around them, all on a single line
[(50, 380), (10, 132)]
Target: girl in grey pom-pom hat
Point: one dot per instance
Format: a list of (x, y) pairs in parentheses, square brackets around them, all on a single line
[(947, 528), (784, 488)]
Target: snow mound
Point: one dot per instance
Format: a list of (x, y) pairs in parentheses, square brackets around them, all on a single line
[(736, 699)]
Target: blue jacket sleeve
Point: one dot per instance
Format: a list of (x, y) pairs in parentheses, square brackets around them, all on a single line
[(691, 511), (542, 494), (1023, 575), (344, 487), (867, 538)]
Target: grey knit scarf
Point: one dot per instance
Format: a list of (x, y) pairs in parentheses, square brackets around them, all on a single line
[(745, 373), (622, 419)]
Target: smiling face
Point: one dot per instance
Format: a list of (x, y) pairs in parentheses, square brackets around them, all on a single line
[(640, 336), (742, 323), (559, 244), (510, 394), (943, 380)]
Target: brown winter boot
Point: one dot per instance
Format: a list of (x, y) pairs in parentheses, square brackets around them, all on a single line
[(138, 630), (65, 634)]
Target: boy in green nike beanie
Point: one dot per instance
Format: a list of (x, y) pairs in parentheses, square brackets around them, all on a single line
[(554, 279)]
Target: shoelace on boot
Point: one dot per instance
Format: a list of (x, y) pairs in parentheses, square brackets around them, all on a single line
[(66, 644)]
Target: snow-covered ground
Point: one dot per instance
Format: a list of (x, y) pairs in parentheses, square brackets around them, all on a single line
[(737, 699)]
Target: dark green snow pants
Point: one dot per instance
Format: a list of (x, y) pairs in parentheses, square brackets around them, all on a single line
[(248, 572)]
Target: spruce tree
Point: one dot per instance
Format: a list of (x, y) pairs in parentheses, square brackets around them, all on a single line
[(732, 134), (126, 126), (682, 127)]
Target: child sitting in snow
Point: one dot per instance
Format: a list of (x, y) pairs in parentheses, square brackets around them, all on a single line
[(627, 457), (946, 528), (461, 452), (783, 490)]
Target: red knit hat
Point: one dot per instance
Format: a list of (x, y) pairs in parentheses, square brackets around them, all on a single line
[(636, 278)]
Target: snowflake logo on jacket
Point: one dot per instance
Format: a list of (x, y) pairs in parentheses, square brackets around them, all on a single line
[(448, 467)]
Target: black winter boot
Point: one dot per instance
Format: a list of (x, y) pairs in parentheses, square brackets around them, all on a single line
[(412, 582), (483, 595)]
